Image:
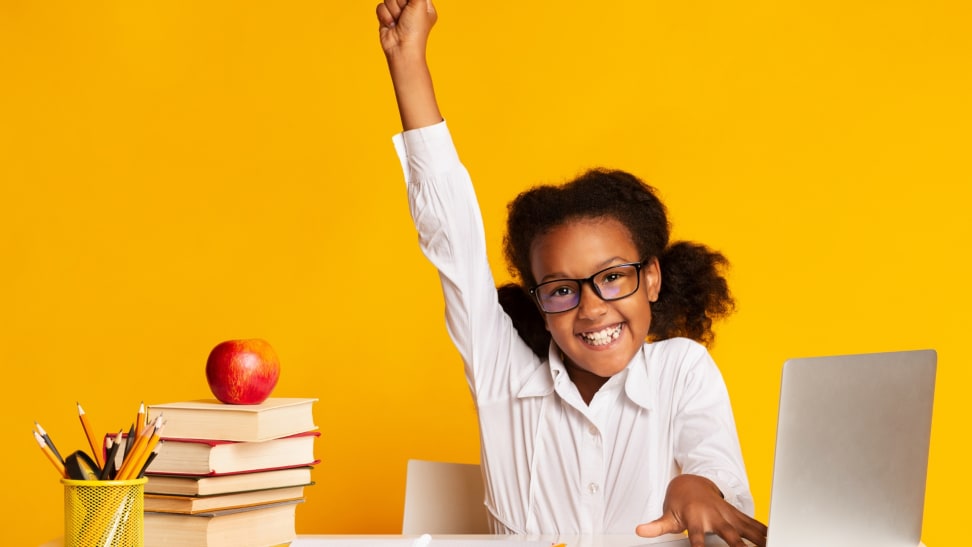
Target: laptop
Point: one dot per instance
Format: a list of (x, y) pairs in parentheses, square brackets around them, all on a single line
[(852, 450)]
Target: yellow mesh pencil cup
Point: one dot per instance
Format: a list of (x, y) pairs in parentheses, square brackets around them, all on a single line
[(104, 513)]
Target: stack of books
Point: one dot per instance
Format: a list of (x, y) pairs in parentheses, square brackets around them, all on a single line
[(229, 475)]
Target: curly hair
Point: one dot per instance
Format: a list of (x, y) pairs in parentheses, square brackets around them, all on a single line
[(694, 290)]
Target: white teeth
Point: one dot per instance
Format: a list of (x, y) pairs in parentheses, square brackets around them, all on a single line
[(602, 337)]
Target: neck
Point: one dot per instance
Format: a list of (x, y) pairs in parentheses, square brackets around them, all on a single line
[(587, 382)]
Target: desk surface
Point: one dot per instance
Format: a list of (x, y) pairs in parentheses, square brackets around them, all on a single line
[(493, 541), (499, 541), (481, 541)]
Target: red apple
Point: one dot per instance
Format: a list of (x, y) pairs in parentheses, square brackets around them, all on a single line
[(242, 372)]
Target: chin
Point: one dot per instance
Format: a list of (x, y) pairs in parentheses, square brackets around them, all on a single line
[(604, 362), (601, 366)]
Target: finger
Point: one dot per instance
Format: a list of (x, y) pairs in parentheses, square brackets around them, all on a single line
[(696, 536), (385, 18), (755, 532), (667, 524), (749, 528), (395, 7), (730, 536)]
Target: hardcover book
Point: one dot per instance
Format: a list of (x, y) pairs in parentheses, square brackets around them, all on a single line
[(213, 420), (210, 485), (257, 526), (189, 505), (213, 457)]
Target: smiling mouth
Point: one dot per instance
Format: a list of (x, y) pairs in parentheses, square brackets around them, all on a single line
[(602, 337)]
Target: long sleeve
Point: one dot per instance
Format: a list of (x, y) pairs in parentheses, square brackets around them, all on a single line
[(443, 206)]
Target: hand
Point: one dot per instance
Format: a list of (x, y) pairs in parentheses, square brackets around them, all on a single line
[(405, 25), (694, 504), (404, 33)]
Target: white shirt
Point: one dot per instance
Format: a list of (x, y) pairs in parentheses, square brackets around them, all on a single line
[(552, 463)]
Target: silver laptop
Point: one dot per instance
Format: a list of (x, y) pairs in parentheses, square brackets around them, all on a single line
[(852, 450)]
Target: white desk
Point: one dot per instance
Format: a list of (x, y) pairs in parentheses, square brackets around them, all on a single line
[(482, 541), (498, 541), (494, 541), (330, 540)]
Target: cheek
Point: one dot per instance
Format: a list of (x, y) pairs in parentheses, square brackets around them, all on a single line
[(558, 325)]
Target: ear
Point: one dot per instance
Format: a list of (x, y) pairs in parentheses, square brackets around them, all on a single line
[(652, 278)]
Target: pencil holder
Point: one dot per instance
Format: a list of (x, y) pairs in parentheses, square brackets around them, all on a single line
[(104, 513)]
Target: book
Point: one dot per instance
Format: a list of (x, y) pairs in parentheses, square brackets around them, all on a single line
[(213, 420), (210, 485), (256, 526), (189, 505), (213, 457)]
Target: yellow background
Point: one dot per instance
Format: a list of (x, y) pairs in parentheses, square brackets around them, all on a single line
[(174, 174)]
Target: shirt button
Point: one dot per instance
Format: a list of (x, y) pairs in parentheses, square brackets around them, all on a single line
[(592, 430), (593, 487)]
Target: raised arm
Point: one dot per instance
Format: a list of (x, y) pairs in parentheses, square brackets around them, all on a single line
[(404, 32)]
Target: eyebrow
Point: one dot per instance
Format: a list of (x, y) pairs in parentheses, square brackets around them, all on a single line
[(603, 265)]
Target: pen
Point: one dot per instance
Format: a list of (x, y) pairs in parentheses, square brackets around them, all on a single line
[(46, 449), (89, 432), (50, 443)]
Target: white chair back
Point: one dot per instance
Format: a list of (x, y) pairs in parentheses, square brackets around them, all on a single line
[(444, 498)]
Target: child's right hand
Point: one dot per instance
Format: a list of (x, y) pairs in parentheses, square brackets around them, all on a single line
[(405, 25), (404, 33)]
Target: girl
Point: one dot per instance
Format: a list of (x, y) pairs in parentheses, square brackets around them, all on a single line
[(596, 412)]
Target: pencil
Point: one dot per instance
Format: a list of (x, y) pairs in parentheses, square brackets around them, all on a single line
[(129, 440), (140, 419), (138, 453), (92, 442), (148, 461), (135, 448), (50, 443), (108, 471), (141, 462), (105, 472), (46, 449)]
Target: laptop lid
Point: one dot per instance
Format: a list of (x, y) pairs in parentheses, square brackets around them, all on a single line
[(852, 450)]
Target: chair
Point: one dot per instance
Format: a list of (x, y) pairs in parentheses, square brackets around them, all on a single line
[(444, 498)]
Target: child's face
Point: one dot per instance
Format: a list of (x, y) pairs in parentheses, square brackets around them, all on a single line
[(598, 336)]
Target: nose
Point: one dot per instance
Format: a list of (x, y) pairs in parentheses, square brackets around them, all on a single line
[(591, 305)]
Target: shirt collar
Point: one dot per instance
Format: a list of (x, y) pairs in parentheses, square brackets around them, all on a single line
[(543, 379), (638, 384)]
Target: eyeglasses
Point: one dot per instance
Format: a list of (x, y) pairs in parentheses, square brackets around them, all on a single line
[(614, 283)]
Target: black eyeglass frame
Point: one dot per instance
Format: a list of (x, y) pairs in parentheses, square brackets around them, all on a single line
[(589, 281)]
